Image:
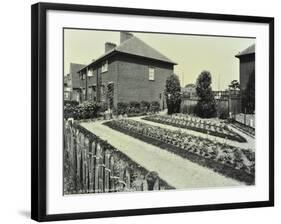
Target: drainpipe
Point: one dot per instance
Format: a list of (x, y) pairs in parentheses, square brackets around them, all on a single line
[(86, 90)]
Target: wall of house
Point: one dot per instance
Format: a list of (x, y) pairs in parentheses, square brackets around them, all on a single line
[(247, 65), (100, 80), (133, 79)]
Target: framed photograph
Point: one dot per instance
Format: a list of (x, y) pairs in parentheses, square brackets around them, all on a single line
[(140, 111)]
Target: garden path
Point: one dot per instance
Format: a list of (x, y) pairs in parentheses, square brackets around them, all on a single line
[(250, 144), (175, 170)]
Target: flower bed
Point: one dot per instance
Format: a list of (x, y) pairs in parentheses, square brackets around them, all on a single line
[(196, 124), (230, 161)]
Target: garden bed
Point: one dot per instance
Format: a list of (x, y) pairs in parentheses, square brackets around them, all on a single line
[(199, 125), (230, 161)]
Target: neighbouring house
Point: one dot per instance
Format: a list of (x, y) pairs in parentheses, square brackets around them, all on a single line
[(66, 87), (137, 72), (247, 65), (74, 87)]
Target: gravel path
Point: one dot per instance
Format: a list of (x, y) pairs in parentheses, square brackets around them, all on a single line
[(250, 144), (176, 171)]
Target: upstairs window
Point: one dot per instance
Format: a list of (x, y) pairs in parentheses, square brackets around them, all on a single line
[(104, 66), (151, 74), (90, 73), (83, 76)]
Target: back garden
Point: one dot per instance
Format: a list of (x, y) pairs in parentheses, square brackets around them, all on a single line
[(96, 162)]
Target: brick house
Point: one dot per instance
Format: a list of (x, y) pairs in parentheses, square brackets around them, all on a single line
[(74, 87), (137, 72), (247, 65)]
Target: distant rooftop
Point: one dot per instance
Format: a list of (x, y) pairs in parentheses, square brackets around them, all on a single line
[(247, 51)]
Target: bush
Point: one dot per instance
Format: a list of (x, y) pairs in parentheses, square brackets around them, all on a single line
[(154, 106), (144, 106), (122, 108), (86, 110), (70, 103), (134, 107), (206, 106)]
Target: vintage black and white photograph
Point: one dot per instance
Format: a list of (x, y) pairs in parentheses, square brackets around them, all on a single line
[(157, 111)]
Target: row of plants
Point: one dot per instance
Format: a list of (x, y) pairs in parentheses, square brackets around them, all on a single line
[(196, 124), (228, 160), (136, 108), (90, 110)]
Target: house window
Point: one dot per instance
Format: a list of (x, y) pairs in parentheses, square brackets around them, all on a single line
[(90, 73), (151, 74), (83, 76), (104, 66)]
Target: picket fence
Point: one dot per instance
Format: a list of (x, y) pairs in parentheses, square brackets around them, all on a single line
[(91, 165)]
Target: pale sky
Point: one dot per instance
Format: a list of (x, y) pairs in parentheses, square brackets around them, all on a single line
[(193, 54)]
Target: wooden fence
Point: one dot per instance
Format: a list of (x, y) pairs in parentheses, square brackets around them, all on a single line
[(91, 165)]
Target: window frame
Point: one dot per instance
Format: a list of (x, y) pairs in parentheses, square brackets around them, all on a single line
[(151, 78)]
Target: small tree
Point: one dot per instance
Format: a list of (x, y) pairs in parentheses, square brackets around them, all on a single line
[(110, 95), (206, 106), (248, 95), (234, 85), (173, 94)]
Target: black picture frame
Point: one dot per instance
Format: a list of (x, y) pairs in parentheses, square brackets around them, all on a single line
[(39, 108)]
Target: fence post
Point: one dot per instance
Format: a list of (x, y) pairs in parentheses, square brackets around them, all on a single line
[(78, 159), (92, 153), (86, 164), (152, 178), (107, 171), (100, 169), (127, 179), (121, 176), (112, 172)]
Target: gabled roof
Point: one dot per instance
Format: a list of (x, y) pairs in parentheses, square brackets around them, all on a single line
[(247, 51), (76, 81), (137, 47)]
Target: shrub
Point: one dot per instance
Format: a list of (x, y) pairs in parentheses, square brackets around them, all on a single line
[(144, 106), (134, 107), (154, 106), (122, 108), (85, 110), (206, 106), (70, 103)]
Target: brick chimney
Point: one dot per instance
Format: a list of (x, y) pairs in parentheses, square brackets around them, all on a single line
[(125, 36), (109, 46)]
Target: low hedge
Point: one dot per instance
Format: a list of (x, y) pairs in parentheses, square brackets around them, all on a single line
[(223, 169), (70, 103), (87, 110), (135, 107)]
